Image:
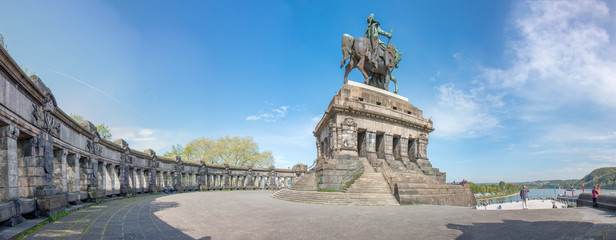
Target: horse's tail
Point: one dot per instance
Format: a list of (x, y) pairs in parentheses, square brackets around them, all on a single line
[(347, 48)]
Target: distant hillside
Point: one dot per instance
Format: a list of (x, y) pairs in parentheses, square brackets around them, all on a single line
[(548, 183), (606, 176)]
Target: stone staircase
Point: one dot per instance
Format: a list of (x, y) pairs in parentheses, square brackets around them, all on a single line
[(337, 198), (414, 187), (308, 182), (369, 182)]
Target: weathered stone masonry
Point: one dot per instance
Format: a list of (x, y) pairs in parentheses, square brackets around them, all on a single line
[(47, 160)]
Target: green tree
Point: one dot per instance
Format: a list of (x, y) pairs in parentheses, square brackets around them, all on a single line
[(102, 129), (200, 149), (175, 150), (236, 151)]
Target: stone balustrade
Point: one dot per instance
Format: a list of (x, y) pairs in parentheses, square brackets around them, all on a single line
[(47, 160)]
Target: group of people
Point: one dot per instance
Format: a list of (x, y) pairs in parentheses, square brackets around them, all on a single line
[(169, 190), (524, 197), (461, 183)]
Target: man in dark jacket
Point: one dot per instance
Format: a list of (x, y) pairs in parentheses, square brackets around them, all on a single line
[(524, 196)]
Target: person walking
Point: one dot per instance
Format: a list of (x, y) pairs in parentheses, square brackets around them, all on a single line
[(524, 196), (595, 194)]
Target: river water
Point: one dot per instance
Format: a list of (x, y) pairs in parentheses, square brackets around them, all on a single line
[(542, 193)]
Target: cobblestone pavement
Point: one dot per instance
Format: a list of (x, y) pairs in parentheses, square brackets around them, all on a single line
[(130, 218), (255, 215)]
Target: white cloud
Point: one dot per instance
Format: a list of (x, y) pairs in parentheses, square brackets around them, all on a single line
[(269, 117), (608, 158), (563, 53), (144, 138), (464, 114), (601, 137), (291, 144)]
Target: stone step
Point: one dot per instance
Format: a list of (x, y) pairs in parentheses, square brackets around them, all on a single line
[(336, 198), (307, 182)]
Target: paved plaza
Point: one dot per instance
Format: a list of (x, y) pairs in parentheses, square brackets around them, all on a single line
[(255, 215)]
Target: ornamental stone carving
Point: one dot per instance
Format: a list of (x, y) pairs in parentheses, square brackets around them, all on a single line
[(93, 146), (423, 145), (348, 134), (42, 115)]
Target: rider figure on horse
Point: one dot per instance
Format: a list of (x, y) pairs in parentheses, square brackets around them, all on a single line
[(373, 33)]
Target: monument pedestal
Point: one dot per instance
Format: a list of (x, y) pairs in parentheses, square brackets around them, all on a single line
[(391, 134)]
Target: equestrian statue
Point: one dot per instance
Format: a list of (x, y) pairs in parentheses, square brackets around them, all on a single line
[(374, 58)]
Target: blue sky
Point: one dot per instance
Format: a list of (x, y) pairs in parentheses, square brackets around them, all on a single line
[(518, 91)]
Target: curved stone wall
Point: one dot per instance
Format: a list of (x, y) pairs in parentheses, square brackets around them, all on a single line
[(48, 160)]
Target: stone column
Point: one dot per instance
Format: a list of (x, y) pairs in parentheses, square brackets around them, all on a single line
[(371, 146), (160, 180), (271, 184), (9, 177), (422, 156), (59, 171), (333, 137), (103, 173), (94, 182), (168, 179), (153, 186), (73, 174), (142, 180), (226, 180), (388, 147), (404, 150), (208, 179), (112, 176), (249, 181), (84, 174), (46, 141), (133, 178)]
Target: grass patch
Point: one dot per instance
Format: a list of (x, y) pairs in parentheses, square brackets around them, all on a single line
[(348, 183), (328, 190), (51, 219)]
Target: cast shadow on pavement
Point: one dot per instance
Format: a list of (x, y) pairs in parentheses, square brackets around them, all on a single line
[(165, 231), (518, 229)]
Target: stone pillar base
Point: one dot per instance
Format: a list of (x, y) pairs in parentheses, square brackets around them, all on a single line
[(154, 189), (127, 191), (96, 195), (51, 205)]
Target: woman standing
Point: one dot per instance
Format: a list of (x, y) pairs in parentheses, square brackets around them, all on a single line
[(595, 194)]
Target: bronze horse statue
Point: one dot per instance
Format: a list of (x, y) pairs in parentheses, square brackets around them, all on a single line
[(358, 50)]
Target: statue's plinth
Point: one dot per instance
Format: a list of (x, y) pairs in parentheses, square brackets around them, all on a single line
[(365, 122)]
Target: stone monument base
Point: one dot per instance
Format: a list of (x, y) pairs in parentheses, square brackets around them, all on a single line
[(381, 139), (335, 171)]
